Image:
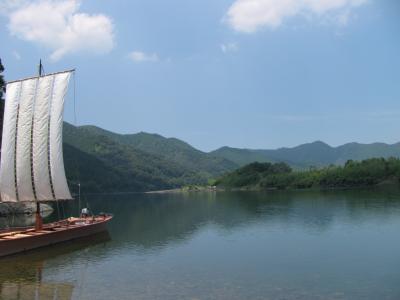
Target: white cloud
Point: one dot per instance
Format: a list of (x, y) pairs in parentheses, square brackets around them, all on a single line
[(60, 27), (229, 47), (139, 56), (7, 6), (250, 15)]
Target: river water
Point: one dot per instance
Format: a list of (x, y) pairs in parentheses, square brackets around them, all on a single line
[(225, 245)]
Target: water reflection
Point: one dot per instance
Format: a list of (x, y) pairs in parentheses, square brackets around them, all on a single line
[(43, 291), (153, 220), (21, 275), (275, 245)]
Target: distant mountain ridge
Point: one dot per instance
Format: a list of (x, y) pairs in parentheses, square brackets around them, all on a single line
[(108, 162), (102, 165), (170, 149), (316, 154)]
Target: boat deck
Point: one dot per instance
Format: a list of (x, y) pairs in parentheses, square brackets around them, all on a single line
[(63, 225)]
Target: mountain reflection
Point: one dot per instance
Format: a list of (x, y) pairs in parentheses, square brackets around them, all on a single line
[(155, 220), (231, 245)]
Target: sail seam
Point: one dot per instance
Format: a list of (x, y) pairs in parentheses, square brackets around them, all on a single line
[(48, 139), (15, 155), (15, 145), (31, 148)]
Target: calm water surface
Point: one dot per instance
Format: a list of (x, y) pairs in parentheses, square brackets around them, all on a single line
[(245, 245)]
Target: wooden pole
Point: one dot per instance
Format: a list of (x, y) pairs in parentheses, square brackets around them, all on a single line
[(38, 217), (40, 68)]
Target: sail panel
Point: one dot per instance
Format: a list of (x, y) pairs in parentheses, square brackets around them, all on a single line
[(7, 171), (41, 139), (60, 185), (24, 131), (32, 140)]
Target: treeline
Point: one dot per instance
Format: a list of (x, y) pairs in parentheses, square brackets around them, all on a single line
[(368, 172)]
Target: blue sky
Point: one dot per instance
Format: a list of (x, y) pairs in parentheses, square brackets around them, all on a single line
[(243, 73)]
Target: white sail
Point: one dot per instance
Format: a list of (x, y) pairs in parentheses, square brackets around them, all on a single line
[(7, 171), (31, 165), (24, 131), (60, 185), (41, 138)]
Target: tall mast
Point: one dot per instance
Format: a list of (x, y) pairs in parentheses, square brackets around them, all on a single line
[(38, 217), (40, 68)]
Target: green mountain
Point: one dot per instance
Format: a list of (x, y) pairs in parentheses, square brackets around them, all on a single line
[(106, 162), (171, 149), (103, 165), (316, 154)]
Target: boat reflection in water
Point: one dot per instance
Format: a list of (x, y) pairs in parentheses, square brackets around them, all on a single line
[(43, 291), (21, 274)]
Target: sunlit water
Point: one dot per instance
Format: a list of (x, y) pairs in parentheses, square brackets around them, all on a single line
[(245, 245)]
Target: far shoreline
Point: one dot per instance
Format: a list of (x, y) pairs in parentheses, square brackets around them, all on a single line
[(386, 183)]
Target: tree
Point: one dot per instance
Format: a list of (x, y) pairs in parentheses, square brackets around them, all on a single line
[(2, 82)]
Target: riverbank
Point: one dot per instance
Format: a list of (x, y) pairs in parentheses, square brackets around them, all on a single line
[(199, 189), (189, 188)]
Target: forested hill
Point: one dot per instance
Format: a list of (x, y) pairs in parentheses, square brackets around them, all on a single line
[(316, 154), (103, 162), (171, 149)]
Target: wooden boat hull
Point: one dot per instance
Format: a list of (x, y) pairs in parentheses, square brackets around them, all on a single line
[(24, 239)]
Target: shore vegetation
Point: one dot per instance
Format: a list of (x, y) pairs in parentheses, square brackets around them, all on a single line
[(367, 172)]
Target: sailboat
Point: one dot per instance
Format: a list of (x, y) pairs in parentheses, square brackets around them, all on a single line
[(31, 163)]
